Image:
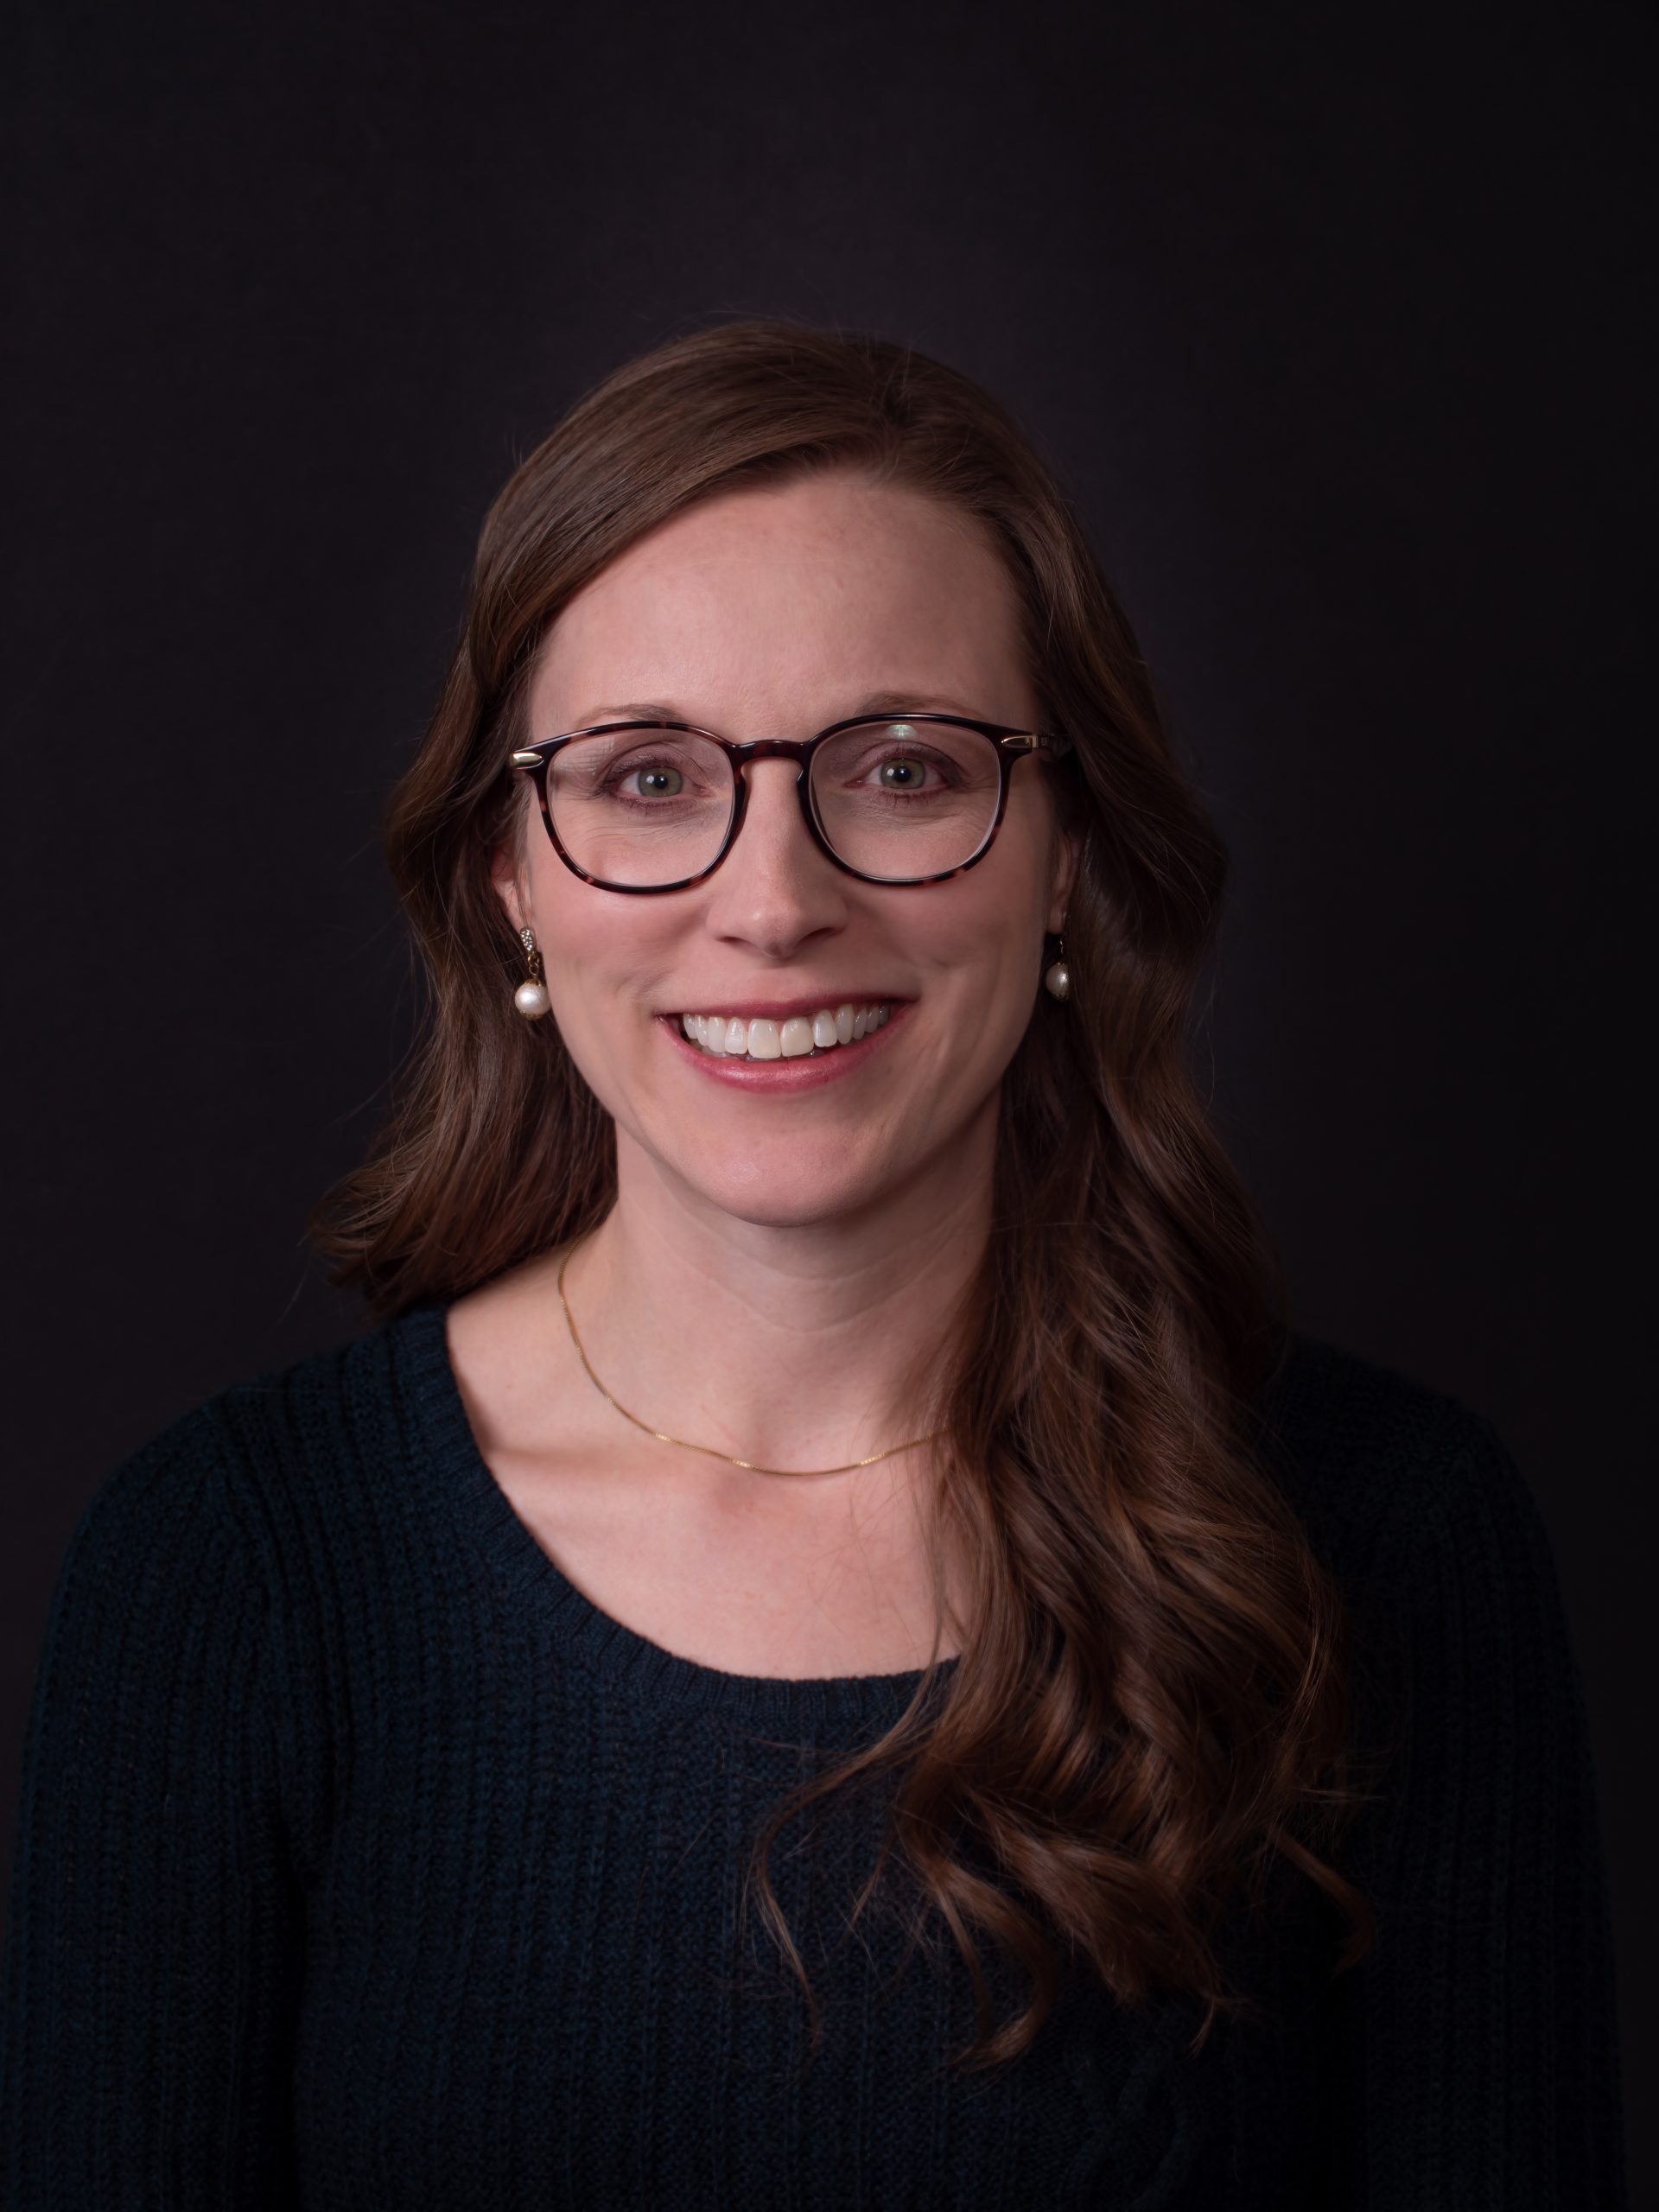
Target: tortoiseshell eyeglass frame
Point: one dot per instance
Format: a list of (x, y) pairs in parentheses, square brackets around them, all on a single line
[(1010, 746)]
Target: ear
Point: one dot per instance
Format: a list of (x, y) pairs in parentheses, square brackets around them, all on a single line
[(508, 885), (1068, 846)]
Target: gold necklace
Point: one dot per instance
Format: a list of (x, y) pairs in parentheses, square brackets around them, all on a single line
[(708, 1449)]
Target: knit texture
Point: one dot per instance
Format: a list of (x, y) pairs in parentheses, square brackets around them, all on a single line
[(362, 1862)]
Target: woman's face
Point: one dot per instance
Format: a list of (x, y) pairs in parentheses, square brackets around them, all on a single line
[(770, 614)]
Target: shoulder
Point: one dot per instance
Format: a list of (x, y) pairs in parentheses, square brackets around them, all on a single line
[(164, 1516), (269, 1466), (1465, 1676), (1386, 1471), (353, 1400)]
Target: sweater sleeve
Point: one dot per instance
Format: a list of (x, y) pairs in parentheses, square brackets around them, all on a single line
[(1473, 2056), (153, 1937)]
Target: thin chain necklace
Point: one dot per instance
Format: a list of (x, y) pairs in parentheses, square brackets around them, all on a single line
[(708, 1449)]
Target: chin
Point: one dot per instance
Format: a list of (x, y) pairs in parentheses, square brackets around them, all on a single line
[(780, 1188)]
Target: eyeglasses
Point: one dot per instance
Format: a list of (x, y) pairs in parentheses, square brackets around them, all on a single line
[(654, 806)]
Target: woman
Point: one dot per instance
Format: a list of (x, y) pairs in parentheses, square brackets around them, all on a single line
[(831, 1649)]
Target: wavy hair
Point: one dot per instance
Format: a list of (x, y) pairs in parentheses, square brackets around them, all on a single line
[(1152, 1709)]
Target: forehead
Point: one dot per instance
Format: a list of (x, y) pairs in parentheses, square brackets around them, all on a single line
[(785, 602)]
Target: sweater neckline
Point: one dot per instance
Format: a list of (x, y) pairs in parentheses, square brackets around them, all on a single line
[(595, 1639)]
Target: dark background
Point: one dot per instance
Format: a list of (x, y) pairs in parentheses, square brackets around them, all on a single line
[(1337, 327)]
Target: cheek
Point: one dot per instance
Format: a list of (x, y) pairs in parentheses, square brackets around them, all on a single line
[(600, 966), (988, 925)]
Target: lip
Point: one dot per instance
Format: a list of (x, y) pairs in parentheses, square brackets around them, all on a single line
[(782, 1009), (809, 1072)]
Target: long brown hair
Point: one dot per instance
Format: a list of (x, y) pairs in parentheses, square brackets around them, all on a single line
[(1152, 1704)]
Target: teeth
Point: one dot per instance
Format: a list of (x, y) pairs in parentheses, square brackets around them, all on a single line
[(796, 1038)]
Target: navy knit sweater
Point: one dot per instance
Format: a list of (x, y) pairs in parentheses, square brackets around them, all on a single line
[(362, 1862)]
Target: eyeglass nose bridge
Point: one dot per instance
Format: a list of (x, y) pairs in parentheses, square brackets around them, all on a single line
[(797, 749), (772, 748)]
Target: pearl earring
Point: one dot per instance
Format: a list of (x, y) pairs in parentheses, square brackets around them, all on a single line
[(1057, 980), (530, 998)]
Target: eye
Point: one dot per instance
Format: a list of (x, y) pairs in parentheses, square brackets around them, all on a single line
[(659, 782), (902, 773)]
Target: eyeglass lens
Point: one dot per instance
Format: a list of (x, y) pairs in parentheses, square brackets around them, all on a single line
[(893, 799)]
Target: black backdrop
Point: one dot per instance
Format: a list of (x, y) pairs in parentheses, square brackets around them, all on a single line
[(1336, 327)]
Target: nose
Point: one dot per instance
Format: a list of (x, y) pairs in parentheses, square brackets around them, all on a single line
[(774, 890)]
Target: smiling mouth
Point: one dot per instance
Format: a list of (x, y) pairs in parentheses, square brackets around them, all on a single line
[(802, 1037)]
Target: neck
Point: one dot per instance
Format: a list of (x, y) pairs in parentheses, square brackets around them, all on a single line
[(790, 1345)]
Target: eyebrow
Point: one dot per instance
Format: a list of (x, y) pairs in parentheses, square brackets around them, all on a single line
[(877, 702)]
